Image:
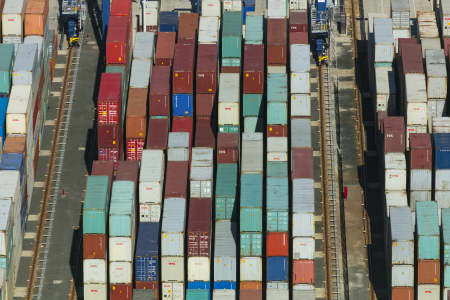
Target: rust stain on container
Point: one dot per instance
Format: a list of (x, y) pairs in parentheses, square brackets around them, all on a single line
[(428, 272), (277, 131), (402, 293), (36, 13), (94, 246)]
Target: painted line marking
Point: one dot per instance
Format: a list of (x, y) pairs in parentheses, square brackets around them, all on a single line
[(318, 218), (27, 253), (50, 122), (20, 291), (57, 281), (44, 153), (92, 43), (316, 153), (318, 236), (318, 254), (55, 93), (29, 235), (33, 217), (38, 184), (57, 79), (320, 292), (60, 66), (317, 185), (314, 123)]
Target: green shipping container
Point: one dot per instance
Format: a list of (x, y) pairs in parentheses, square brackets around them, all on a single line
[(277, 87), (252, 105), (225, 208), (277, 221), (232, 34), (428, 247), (95, 206), (226, 180), (254, 29), (251, 244), (231, 46), (276, 113), (251, 190), (277, 191), (277, 169), (251, 219), (231, 62), (6, 64), (252, 124), (228, 129), (121, 212), (197, 294)]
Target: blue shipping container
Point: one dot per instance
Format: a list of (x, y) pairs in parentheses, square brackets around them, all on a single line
[(427, 218), (182, 105), (224, 285), (442, 150), (428, 247), (247, 7), (13, 161), (3, 108), (147, 243), (105, 16), (146, 268), (168, 21), (277, 87), (277, 268), (251, 190), (199, 285)]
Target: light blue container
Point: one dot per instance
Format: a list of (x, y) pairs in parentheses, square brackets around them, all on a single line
[(428, 247), (277, 221), (251, 190), (277, 193), (276, 113), (427, 218), (251, 124), (192, 294), (225, 208), (232, 34), (277, 87), (251, 219), (252, 105), (226, 180), (121, 212), (6, 64), (95, 206), (231, 46), (446, 276), (251, 244), (254, 29), (229, 129), (231, 62), (445, 215), (446, 254), (277, 169)]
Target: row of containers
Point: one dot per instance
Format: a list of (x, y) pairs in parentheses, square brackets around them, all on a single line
[(27, 60)]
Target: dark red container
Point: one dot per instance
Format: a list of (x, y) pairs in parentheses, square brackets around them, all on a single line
[(230, 69), (158, 134), (394, 140), (94, 246), (277, 131), (412, 61), (114, 154), (199, 227), (298, 21), (136, 119), (176, 179), (277, 244), (428, 272), (121, 291), (403, 293), (183, 69), (160, 91), (117, 40), (405, 41), (120, 8), (204, 105), (204, 136), (109, 136), (302, 164), (184, 124), (276, 42), (135, 148), (109, 104), (298, 38), (446, 45), (421, 152), (250, 290), (187, 28), (148, 285), (253, 69), (303, 271), (206, 69), (128, 170), (393, 123), (165, 48), (103, 168), (227, 148)]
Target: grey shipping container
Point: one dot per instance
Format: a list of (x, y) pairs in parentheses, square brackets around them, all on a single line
[(304, 294), (303, 195), (25, 64), (178, 140), (146, 294), (225, 237), (141, 70), (383, 31), (400, 14), (252, 152), (300, 133), (401, 224), (300, 60), (174, 215), (144, 45)]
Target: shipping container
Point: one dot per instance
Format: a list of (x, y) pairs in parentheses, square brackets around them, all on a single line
[(251, 194), (204, 136), (253, 81), (6, 65), (277, 244), (229, 87), (168, 19), (117, 40), (303, 272), (231, 34), (141, 71), (436, 74), (188, 25), (176, 179), (303, 225), (428, 272), (144, 45), (206, 69), (211, 8), (250, 219), (276, 113), (300, 58), (251, 269), (160, 91), (441, 145), (25, 65), (94, 291), (198, 269), (276, 43), (172, 269), (183, 69), (158, 133), (277, 268), (251, 244), (151, 179), (12, 18), (302, 163), (204, 104), (298, 21), (182, 105), (109, 104), (402, 293), (254, 29), (173, 227), (400, 14), (383, 40), (303, 195), (199, 227), (277, 87), (95, 205), (121, 291), (122, 209), (165, 48), (173, 290), (250, 290), (208, 30)]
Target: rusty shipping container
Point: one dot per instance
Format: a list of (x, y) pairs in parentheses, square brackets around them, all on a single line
[(118, 40), (199, 227), (204, 105), (165, 48), (277, 131), (204, 136), (253, 69), (14, 144), (136, 121), (402, 293), (187, 28), (36, 13), (446, 46), (122, 291), (298, 21), (405, 41), (302, 164), (128, 170), (160, 91), (109, 135), (183, 69), (109, 104), (94, 246), (421, 152), (176, 179), (250, 291), (227, 148), (276, 42), (206, 69), (158, 133), (428, 272)]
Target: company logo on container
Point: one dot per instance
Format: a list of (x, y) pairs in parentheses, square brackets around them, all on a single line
[(172, 264)]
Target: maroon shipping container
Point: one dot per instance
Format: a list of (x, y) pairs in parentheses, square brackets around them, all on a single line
[(94, 246), (206, 69), (250, 291), (103, 168), (428, 272), (277, 244), (302, 163), (120, 8), (253, 69), (276, 42), (122, 291), (183, 69), (128, 170), (158, 134), (160, 91), (204, 136), (298, 38), (298, 21), (412, 61), (109, 104), (402, 293), (204, 104), (421, 153), (136, 119), (184, 124), (148, 285), (394, 140), (446, 45), (230, 69), (117, 40), (176, 179), (199, 227), (227, 148), (165, 48), (109, 136), (114, 154), (135, 148), (187, 28), (405, 41), (277, 131), (394, 123), (303, 271)]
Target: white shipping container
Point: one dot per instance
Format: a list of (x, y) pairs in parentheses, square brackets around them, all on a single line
[(229, 87), (300, 105), (178, 154), (300, 83), (6, 220), (277, 144), (198, 268), (121, 249), (277, 156), (25, 63), (442, 180), (150, 14), (428, 28), (385, 80), (430, 44), (395, 161), (252, 152), (178, 140), (298, 4), (151, 176), (141, 72), (94, 271), (12, 17), (400, 34), (402, 275), (149, 212), (436, 109), (232, 5), (414, 129), (395, 180), (39, 41), (19, 110), (445, 293), (437, 87), (304, 248), (384, 53), (402, 252), (208, 30), (229, 113), (202, 154), (386, 103), (420, 180), (277, 294), (172, 269), (276, 69), (173, 291), (276, 9), (416, 114), (416, 90), (95, 291), (300, 58), (224, 294), (428, 292), (395, 199), (251, 269), (416, 196), (201, 189), (303, 225), (172, 244), (224, 268), (211, 8), (120, 272)]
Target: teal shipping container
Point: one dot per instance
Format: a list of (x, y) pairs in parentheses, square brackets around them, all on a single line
[(252, 105), (231, 62), (197, 294), (277, 191), (224, 208), (445, 215), (427, 218), (277, 87), (277, 169), (277, 221), (226, 180), (446, 254), (446, 276), (6, 64), (121, 212), (251, 190), (251, 219), (251, 244), (252, 124), (277, 113), (254, 29), (232, 34), (228, 129), (428, 247), (95, 206)]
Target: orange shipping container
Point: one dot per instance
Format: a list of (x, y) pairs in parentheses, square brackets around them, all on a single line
[(428, 272), (15, 144), (402, 293), (36, 14), (250, 291)]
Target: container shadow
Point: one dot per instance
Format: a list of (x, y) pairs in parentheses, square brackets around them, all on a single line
[(76, 264)]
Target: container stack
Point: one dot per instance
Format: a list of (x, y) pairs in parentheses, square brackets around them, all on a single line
[(276, 45), (401, 28), (13, 21), (428, 250), (436, 69), (136, 115), (445, 214), (298, 26), (420, 169), (441, 169), (428, 31), (150, 16), (251, 208), (401, 243), (199, 224), (229, 102), (168, 20), (444, 15), (231, 42), (122, 236)]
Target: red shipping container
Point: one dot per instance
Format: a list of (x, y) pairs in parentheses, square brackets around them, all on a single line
[(253, 69), (103, 168), (109, 104), (394, 140), (227, 148), (204, 104), (412, 61), (117, 40), (94, 246), (187, 28), (109, 136), (298, 21), (230, 69), (277, 244), (135, 148), (421, 153), (204, 136), (276, 42), (206, 69), (277, 131), (302, 164), (120, 8), (165, 48), (428, 272), (184, 124), (227, 156), (303, 271), (148, 285), (114, 154), (176, 179), (404, 41), (298, 38), (402, 293), (250, 291), (446, 46), (183, 69), (158, 133), (136, 119), (128, 170), (121, 291), (199, 227), (160, 91)]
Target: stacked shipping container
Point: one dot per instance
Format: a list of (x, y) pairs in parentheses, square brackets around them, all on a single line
[(441, 169), (445, 246), (436, 79), (420, 168)]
